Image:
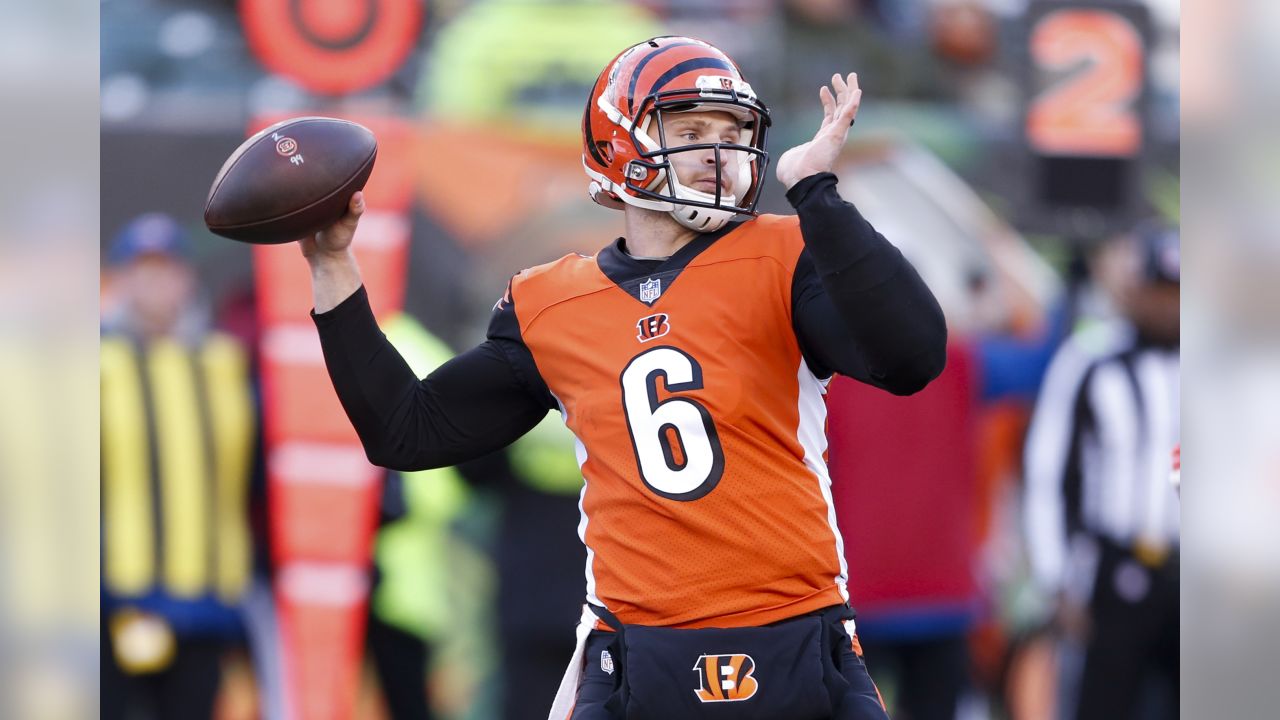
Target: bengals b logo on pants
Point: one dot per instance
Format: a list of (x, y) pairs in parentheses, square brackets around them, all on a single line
[(725, 678)]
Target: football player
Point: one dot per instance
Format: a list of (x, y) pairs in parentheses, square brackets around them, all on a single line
[(689, 358)]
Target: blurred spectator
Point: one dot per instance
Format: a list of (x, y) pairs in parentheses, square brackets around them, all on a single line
[(963, 32), (409, 609), (922, 485), (749, 31), (904, 483), (541, 563), (1102, 517), (885, 41), (178, 430), (414, 624), (917, 485)]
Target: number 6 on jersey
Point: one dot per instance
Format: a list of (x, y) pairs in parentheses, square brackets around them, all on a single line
[(677, 448)]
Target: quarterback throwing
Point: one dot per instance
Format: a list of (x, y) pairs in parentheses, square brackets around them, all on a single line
[(689, 358)]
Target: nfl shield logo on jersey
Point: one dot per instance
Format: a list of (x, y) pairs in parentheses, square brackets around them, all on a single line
[(606, 662), (650, 290)]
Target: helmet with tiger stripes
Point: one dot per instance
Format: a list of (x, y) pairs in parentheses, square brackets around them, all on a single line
[(624, 145)]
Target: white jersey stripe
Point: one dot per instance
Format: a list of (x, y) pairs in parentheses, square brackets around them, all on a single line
[(812, 435), (580, 451)]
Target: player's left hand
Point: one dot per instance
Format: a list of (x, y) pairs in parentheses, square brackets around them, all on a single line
[(819, 154)]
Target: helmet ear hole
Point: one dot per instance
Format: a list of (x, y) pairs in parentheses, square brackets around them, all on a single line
[(605, 150)]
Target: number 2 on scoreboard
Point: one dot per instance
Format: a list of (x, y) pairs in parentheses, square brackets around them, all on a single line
[(1090, 112)]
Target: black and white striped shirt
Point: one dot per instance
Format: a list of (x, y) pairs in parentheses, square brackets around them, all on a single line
[(1098, 452)]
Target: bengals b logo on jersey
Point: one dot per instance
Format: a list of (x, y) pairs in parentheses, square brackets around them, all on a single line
[(653, 326), (725, 678)]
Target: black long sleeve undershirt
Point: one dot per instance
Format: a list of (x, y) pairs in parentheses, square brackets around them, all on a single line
[(869, 315), (472, 405), (859, 309)]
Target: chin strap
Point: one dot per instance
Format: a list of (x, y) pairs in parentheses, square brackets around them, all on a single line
[(701, 219)]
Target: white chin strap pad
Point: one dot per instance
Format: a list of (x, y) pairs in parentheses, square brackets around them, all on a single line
[(701, 219), (705, 219)]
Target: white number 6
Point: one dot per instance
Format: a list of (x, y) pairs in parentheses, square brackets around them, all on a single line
[(677, 448)]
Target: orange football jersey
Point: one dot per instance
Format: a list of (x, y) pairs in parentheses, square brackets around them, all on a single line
[(700, 431)]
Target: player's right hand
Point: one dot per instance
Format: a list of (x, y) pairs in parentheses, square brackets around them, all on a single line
[(335, 239)]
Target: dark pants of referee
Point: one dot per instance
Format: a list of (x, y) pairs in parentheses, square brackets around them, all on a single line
[(861, 701), (928, 675), (1133, 643)]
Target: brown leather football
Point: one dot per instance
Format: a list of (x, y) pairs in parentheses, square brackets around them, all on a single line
[(290, 180)]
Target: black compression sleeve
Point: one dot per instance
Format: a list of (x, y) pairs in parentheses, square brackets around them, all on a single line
[(859, 307), (469, 406)]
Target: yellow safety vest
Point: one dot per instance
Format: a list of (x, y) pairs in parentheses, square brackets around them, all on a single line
[(544, 458), (178, 428), (412, 553)]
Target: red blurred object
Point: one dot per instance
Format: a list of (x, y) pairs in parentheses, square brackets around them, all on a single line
[(322, 492), (963, 33), (334, 47), (904, 483)]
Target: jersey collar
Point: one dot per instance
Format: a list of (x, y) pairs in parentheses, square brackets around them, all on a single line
[(629, 273)]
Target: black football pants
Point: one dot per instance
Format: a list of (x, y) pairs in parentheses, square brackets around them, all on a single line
[(860, 702)]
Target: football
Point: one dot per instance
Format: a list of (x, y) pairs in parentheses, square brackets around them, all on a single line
[(290, 180)]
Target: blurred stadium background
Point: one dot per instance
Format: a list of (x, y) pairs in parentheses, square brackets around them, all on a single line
[(978, 151), (476, 105)]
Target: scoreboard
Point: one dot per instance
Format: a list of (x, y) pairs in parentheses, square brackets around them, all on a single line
[(1085, 82)]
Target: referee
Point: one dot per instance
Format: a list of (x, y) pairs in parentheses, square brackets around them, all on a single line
[(1102, 516)]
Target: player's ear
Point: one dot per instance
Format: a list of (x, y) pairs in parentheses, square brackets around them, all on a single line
[(617, 147)]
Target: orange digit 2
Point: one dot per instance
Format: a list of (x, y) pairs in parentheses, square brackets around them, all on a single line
[(1091, 111)]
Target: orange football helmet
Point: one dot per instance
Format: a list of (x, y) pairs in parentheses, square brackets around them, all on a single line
[(624, 148)]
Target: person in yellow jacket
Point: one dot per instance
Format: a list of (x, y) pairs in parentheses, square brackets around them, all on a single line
[(539, 560), (435, 592), (178, 435), (421, 566)]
